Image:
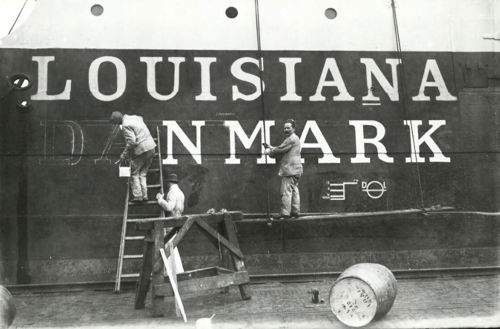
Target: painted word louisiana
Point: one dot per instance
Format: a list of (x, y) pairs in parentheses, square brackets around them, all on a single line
[(244, 71)]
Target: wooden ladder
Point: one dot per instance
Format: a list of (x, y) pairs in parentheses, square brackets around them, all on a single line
[(122, 256)]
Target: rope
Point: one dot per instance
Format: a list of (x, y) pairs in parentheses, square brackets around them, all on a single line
[(18, 15), (259, 51), (404, 94)]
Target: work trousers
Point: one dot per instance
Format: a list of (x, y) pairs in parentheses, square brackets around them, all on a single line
[(290, 198), (139, 167)]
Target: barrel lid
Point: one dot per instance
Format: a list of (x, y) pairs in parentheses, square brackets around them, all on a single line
[(353, 302)]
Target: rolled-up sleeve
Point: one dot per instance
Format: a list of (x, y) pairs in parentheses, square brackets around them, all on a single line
[(168, 204)]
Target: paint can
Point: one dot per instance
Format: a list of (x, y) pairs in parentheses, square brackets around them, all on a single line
[(7, 308), (124, 170), (204, 323), (363, 292)]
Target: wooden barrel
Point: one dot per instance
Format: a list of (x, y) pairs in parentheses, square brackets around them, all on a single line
[(362, 293), (7, 308)]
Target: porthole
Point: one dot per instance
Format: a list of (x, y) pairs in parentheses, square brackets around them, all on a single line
[(231, 12), (24, 106), (20, 81), (330, 13), (96, 10)]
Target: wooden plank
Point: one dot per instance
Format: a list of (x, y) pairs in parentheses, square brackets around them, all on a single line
[(157, 277), (158, 263), (142, 288), (179, 221), (202, 272), (171, 233), (210, 239), (225, 259), (238, 263), (207, 283), (173, 284), (198, 273), (235, 250)]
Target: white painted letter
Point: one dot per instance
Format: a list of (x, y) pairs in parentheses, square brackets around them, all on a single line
[(416, 141), (205, 62), (331, 66), (361, 140), (43, 69), (328, 156), (373, 70), (151, 76), (121, 78), (290, 62), (194, 150), (238, 73), (431, 68), (236, 129)]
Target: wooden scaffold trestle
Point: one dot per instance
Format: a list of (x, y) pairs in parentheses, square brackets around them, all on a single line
[(152, 274)]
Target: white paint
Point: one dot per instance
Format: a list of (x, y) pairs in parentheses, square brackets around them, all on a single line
[(290, 63), (373, 70), (205, 63), (194, 150), (121, 78), (43, 76), (321, 142), (361, 140), (416, 142), (432, 69), (361, 25), (338, 82), (374, 189), (235, 129), (151, 76), (238, 73), (337, 191)]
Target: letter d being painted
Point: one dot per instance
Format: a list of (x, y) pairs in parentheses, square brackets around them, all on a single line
[(62, 143)]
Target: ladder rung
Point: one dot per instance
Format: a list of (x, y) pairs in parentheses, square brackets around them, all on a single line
[(154, 185), (132, 256), (135, 220), (134, 237), (142, 203), (131, 275)]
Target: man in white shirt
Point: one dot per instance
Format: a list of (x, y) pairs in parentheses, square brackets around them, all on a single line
[(173, 203)]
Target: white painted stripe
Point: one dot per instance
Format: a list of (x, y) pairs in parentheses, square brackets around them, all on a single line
[(360, 25)]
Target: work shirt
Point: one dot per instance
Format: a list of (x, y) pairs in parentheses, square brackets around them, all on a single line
[(137, 136), (290, 164), (174, 201)]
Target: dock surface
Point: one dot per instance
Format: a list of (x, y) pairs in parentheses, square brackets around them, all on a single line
[(437, 302)]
